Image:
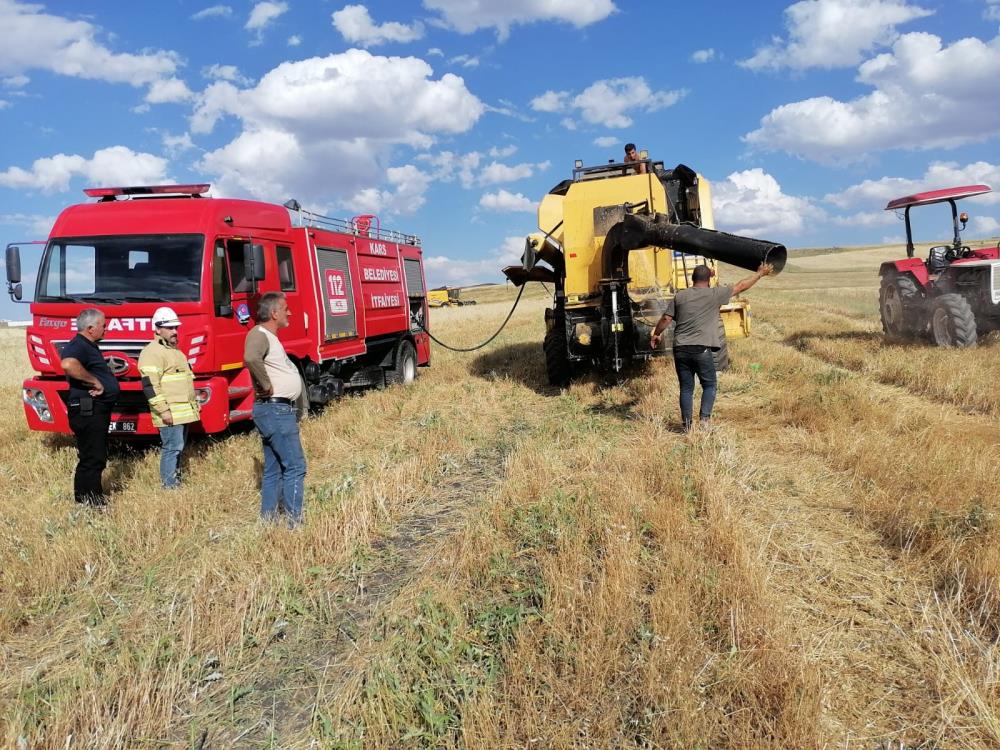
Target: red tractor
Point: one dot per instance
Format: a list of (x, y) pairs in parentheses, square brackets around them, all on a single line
[(955, 294)]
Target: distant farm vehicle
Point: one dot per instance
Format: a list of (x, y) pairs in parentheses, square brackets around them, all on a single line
[(954, 295), (447, 298)]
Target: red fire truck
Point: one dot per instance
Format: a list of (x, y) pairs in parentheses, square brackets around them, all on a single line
[(356, 292)]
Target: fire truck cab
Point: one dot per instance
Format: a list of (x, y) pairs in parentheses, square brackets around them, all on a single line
[(356, 292)]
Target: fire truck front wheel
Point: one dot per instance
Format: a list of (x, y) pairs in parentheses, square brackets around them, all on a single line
[(404, 369)]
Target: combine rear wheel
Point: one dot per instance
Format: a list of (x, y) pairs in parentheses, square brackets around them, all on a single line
[(953, 323), (557, 352), (897, 299)]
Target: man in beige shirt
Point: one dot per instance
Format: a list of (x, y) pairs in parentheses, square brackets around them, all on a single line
[(279, 392)]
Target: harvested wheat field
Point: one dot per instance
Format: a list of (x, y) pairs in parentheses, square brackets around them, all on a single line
[(489, 562)]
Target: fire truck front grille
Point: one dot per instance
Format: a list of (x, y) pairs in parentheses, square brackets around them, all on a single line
[(129, 347), (129, 402)]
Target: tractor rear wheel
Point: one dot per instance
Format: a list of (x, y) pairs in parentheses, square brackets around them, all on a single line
[(557, 365), (953, 324), (898, 304), (721, 355)]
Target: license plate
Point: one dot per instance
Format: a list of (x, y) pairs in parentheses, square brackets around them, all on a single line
[(123, 425)]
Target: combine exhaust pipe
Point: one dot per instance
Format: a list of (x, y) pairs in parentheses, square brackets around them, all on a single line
[(640, 230)]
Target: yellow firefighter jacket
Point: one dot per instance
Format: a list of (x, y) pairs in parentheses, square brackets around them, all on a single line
[(168, 383)]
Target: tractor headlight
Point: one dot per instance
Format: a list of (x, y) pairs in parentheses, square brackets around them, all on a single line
[(202, 395)]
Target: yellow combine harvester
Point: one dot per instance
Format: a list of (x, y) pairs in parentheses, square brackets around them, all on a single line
[(447, 298), (617, 245)]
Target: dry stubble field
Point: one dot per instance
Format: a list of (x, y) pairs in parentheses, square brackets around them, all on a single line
[(491, 563)]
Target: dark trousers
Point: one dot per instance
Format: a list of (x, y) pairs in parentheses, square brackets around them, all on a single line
[(688, 364), (91, 431)]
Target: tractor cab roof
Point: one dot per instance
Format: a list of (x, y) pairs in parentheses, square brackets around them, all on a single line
[(937, 196)]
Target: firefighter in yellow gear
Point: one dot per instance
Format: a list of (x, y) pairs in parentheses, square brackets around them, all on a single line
[(168, 382)]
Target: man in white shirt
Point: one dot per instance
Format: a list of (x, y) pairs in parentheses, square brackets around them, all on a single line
[(279, 396)]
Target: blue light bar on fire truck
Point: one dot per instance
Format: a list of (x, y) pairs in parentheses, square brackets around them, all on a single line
[(112, 192)]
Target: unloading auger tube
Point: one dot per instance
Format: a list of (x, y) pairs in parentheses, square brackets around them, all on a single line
[(643, 230)]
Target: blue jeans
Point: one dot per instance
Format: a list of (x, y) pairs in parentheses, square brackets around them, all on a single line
[(171, 444), (284, 462), (688, 364)]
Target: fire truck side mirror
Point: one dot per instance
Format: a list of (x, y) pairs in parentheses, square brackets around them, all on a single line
[(253, 262), (13, 264)]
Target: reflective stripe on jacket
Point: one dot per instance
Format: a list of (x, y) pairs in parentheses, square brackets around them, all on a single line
[(168, 382)]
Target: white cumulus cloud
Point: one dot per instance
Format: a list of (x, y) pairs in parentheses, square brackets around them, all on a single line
[(834, 33), (985, 226), (607, 141), (467, 16), (550, 101), (404, 197), (41, 41), (262, 15), (168, 90), (505, 201), (917, 90), (213, 11), (355, 24), (703, 55), (939, 174), (752, 203), (441, 269), (611, 102), (116, 165), (323, 128), (503, 153)]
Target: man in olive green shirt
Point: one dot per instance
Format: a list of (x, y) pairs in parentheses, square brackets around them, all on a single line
[(696, 335)]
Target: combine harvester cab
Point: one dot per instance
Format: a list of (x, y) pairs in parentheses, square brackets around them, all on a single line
[(356, 292), (616, 246), (953, 295)]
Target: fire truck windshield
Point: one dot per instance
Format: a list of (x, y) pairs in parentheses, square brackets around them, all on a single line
[(122, 269)]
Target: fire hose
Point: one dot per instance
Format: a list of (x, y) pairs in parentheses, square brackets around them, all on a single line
[(477, 346)]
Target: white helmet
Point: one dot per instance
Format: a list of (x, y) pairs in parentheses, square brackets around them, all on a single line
[(165, 317)]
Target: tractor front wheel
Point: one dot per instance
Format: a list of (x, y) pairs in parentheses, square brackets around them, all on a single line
[(953, 324), (897, 298)]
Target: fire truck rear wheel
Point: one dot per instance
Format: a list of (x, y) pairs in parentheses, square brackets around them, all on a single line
[(404, 370)]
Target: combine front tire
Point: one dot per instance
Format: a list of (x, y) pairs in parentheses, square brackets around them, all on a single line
[(404, 370), (953, 324), (898, 298), (557, 353)]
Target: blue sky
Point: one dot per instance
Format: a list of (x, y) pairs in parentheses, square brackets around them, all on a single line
[(450, 118)]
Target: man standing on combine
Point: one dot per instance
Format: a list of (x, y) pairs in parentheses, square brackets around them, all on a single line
[(631, 155), (696, 336), (168, 383), (281, 401), (93, 390)]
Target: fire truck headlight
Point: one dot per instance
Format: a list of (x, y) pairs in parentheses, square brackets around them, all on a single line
[(35, 398), (202, 395)]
